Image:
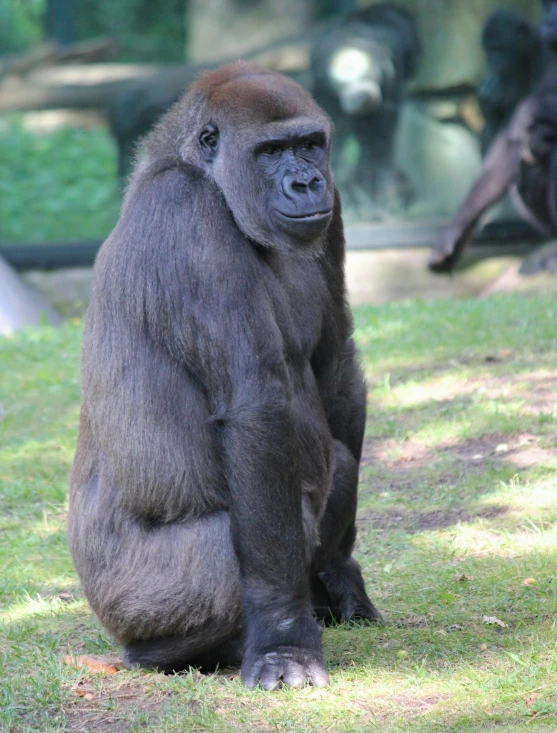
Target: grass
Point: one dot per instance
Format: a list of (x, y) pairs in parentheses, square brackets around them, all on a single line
[(457, 510)]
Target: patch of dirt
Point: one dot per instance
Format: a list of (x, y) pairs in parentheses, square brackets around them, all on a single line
[(413, 522), (408, 704), (416, 705), (413, 621), (115, 707), (394, 454), (405, 466), (537, 388), (408, 459), (521, 450)]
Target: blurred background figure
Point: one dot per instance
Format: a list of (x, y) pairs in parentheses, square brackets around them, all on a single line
[(417, 92)]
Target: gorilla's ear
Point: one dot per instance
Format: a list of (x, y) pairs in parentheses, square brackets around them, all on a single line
[(209, 142)]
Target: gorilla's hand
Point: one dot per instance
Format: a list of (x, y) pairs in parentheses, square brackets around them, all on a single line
[(286, 665), (447, 249)]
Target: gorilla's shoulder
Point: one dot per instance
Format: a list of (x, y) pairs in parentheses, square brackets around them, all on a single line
[(166, 187)]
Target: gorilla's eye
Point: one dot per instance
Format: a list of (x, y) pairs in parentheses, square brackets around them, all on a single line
[(308, 145), (209, 140), (273, 149)]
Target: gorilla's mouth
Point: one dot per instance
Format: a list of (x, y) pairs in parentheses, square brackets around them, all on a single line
[(314, 216)]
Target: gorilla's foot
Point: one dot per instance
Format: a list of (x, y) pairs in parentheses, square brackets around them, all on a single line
[(345, 587)]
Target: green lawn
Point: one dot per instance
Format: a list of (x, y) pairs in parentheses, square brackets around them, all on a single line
[(458, 508)]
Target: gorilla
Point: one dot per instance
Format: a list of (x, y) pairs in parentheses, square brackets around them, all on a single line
[(521, 160), (214, 488), (360, 66), (516, 58)]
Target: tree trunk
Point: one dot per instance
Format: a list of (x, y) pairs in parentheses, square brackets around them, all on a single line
[(60, 21), (224, 29)]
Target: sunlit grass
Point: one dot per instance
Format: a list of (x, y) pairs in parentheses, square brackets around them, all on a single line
[(458, 521)]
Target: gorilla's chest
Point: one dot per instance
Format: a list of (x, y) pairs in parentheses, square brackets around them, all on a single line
[(297, 295)]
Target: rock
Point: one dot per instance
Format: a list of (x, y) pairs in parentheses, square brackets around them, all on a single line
[(543, 259), (21, 306)]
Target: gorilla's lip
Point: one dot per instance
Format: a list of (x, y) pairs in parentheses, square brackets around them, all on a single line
[(313, 216)]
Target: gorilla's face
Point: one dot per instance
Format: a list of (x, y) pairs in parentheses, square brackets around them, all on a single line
[(294, 168), (277, 183), (273, 168), (356, 78)]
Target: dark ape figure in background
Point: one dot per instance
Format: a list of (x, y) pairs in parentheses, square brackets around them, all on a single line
[(516, 59), (360, 66), (132, 114), (213, 493), (521, 160)]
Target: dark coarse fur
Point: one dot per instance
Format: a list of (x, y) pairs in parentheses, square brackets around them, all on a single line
[(522, 160), (215, 479), (516, 58), (389, 37)]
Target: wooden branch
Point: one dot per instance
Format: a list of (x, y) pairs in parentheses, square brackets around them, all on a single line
[(71, 86), (88, 52), (20, 65), (50, 54), (94, 86)]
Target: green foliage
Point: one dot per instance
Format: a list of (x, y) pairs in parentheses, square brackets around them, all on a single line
[(57, 187), (20, 24), (145, 30)]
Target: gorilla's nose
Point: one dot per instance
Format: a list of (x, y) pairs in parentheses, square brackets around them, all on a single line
[(302, 182)]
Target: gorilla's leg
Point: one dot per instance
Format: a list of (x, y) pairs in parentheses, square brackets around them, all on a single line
[(175, 653), (169, 593), (337, 585)]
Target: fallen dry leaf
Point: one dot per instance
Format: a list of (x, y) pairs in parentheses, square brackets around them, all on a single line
[(462, 577), (94, 663), (493, 621), (531, 699), (483, 647), (81, 690), (529, 581)]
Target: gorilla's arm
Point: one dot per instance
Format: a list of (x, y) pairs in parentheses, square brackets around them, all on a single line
[(337, 372), (499, 170)]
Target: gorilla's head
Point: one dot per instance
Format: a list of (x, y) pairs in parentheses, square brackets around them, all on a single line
[(265, 143)]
